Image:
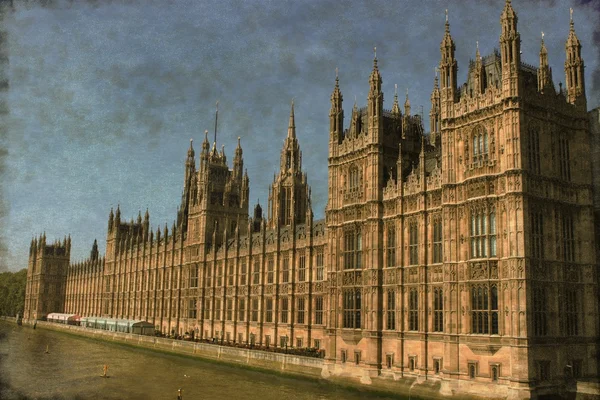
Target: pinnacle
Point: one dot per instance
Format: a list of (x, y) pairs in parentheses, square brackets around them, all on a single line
[(292, 125)]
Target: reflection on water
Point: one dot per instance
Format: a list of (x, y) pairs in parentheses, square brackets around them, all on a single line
[(73, 369)]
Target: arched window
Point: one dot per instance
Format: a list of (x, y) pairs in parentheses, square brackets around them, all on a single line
[(472, 371), (437, 241), (438, 309), (391, 310), (352, 308), (391, 245), (480, 145), (413, 244), (352, 249), (494, 373), (484, 306), (483, 234), (413, 310), (534, 150), (540, 311), (353, 183)]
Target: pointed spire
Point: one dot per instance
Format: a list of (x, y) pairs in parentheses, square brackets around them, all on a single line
[(336, 113), (216, 120), (448, 67), (395, 106), (573, 40), (111, 218), (508, 18), (543, 46), (375, 58), (447, 37), (574, 67), (447, 24), (205, 143), (191, 149), (477, 55), (407, 104), (336, 95), (571, 17), (544, 72), (375, 79), (292, 124)]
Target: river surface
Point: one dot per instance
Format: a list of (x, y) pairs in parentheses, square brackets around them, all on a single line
[(72, 369)]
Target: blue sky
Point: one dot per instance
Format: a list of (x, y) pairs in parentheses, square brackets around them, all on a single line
[(103, 97)]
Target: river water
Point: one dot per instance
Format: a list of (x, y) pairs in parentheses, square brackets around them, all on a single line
[(72, 369)]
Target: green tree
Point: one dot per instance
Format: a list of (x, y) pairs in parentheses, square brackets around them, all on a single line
[(12, 292)]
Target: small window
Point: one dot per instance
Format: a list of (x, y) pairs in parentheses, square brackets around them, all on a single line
[(472, 371), (412, 363), (357, 357), (544, 370), (317, 343), (437, 366), (389, 361), (240, 338), (494, 373), (343, 356), (267, 340), (299, 343), (577, 368)]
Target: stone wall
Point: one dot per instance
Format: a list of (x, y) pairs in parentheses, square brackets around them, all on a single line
[(287, 363), (347, 375)]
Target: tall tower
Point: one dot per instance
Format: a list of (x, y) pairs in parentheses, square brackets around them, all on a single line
[(189, 188), (336, 113), (289, 194), (375, 104), (544, 71), (574, 68), (448, 70), (218, 197), (510, 48), (46, 277), (435, 113)]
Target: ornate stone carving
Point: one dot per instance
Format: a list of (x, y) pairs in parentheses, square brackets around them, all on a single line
[(493, 270), (571, 273), (348, 278)]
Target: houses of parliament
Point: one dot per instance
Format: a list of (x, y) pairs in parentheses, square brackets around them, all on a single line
[(465, 257)]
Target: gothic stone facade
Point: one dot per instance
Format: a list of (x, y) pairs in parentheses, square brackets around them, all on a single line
[(465, 257)]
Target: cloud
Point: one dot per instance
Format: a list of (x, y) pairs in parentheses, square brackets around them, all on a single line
[(104, 96)]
